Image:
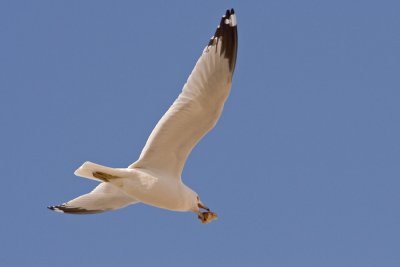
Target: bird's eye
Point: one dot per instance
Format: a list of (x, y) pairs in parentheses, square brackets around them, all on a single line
[(198, 198)]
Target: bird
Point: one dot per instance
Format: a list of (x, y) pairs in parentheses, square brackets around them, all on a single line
[(155, 178)]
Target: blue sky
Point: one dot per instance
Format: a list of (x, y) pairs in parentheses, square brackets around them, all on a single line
[(303, 167)]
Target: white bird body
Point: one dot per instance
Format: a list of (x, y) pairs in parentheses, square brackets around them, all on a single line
[(164, 193), (142, 185), (155, 178)]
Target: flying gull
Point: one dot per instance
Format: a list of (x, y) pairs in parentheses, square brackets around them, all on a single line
[(155, 178)]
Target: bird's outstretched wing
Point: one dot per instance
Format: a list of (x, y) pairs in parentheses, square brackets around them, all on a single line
[(198, 107), (103, 198)]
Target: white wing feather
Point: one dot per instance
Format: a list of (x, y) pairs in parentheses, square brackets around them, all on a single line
[(198, 107), (103, 198)]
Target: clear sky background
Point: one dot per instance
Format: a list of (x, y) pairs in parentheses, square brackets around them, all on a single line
[(303, 167)]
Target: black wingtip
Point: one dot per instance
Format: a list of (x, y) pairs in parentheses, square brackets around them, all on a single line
[(63, 208), (55, 208), (227, 31), (229, 12)]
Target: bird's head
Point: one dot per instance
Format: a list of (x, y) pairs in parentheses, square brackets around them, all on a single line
[(204, 216)]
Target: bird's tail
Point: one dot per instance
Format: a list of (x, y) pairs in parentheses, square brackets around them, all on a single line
[(98, 172)]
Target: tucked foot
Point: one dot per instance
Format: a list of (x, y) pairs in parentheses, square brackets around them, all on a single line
[(105, 177)]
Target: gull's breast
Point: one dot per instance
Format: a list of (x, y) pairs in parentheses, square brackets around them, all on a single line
[(156, 191)]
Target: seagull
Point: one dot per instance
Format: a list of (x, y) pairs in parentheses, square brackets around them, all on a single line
[(155, 178)]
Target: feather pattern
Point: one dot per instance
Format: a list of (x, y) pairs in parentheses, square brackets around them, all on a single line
[(198, 107)]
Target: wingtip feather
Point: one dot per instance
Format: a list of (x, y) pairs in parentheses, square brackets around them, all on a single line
[(55, 208)]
